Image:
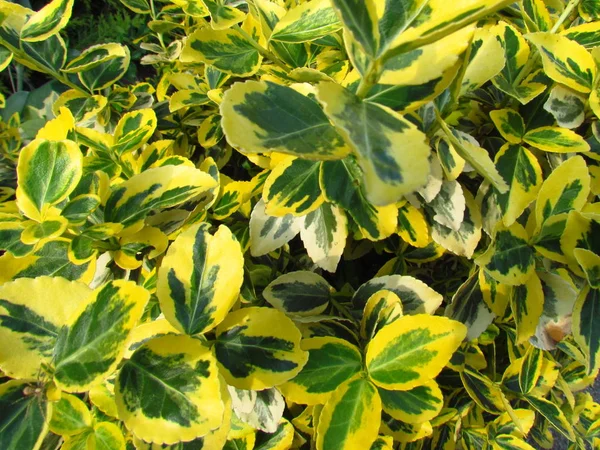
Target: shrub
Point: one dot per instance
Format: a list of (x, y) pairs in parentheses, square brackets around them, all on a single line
[(331, 224)]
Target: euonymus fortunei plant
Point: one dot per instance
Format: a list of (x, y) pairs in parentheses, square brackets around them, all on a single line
[(322, 224)]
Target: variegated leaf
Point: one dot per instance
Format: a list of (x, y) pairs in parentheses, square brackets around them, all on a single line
[(403, 432), (58, 163), (258, 348), (307, 22), (293, 187), (553, 414), (382, 308), (579, 244), (469, 308), (269, 14), (32, 312), (106, 72), (565, 189), (340, 183), (412, 226), (527, 304), (331, 362), (299, 293), (567, 106), (350, 418), (415, 295), (510, 124), (565, 61), (47, 21), (412, 350), (281, 439), (252, 122), (133, 130), (90, 347), (440, 18), (170, 390), (463, 241), (70, 416), (586, 34), (51, 259), (360, 21), (380, 139), (266, 412), (226, 49), (200, 278), (426, 63), (161, 187), (517, 53), (584, 329), (268, 233), (324, 232), (522, 172), (483, 391), (555, 139), (483, 64), (510, 258), (531, 369), (94, 56), (468, 148), (223, 16), (417, 405)]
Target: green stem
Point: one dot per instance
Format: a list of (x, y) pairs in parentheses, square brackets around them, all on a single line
[(10, 77), (20, 76), (565, 14), (458, 81), (152, 10), (369, 80), (342, 309), (59, 77), (263, 51)]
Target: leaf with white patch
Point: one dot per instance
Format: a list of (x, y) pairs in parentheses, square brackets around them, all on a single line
[(268, 233), (324, 232)]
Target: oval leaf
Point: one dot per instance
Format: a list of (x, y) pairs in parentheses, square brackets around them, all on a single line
[(331, 362), (169, 390), (412, 350), (258, 348), (199, 279), (299, 293), (89, 349)]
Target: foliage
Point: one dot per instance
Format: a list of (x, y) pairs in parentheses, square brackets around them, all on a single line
[(330, 224)]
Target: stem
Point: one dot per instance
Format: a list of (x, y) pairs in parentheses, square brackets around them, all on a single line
[(565, 14), (20, 74), (263, 51), (59, 77), (442, 124), (369, 80), (342, 309), (152, 10), (458, 81), (12, 81)]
